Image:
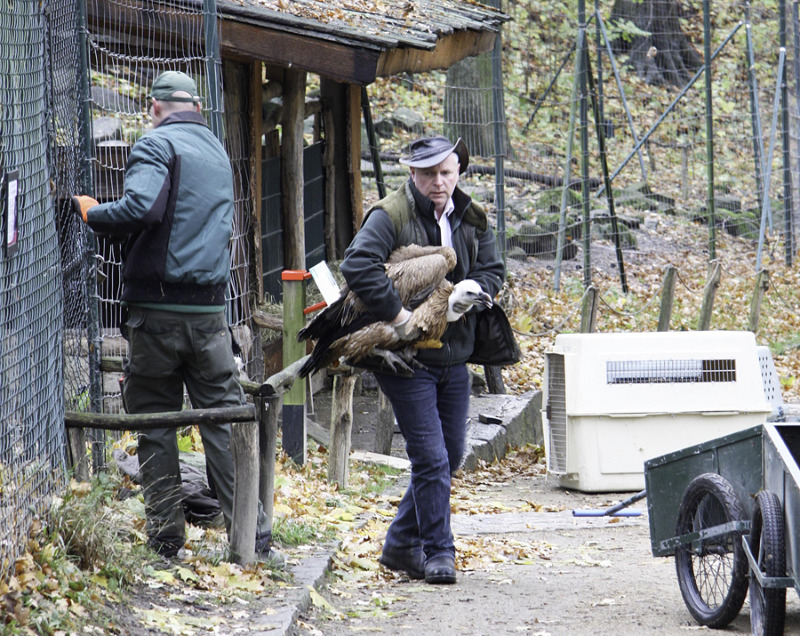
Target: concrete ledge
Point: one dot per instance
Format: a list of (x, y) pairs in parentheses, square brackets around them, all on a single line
[(500, 422)]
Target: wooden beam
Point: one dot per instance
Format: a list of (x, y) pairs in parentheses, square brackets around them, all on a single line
[(354, 154), (448, 50), (323, 57), (294, 89), (147, 421), (339, 207), (256, 159), (329, 166)]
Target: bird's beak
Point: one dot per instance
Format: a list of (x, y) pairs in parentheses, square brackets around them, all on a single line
[(485, 299)]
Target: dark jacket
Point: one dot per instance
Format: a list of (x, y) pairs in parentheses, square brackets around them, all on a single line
[(380, 234), (177, 210)]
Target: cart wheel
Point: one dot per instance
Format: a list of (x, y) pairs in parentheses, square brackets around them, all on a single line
[(712, 572), (767, 606)]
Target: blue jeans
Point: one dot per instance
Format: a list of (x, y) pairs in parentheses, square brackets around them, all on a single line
[(431, 410)]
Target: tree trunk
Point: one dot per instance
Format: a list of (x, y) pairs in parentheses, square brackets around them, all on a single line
[(664, 57)]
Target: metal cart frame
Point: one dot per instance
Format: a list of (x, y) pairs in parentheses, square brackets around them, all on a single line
[(728, 510)]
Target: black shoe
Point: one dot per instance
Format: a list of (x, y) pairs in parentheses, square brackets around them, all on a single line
[(267, 553), (440, 570), (165, 549), (408, 560)]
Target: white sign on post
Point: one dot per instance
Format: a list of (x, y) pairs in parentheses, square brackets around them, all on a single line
[(326, 283)]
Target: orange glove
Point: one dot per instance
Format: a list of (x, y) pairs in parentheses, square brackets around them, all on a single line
[(81, 203)]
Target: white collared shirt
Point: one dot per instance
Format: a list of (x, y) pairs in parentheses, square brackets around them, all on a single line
[(444, 224)]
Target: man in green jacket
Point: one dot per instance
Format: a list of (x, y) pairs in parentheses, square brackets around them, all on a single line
[(177, 215)]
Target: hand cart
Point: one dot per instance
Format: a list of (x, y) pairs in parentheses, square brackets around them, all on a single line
[(728, 510)]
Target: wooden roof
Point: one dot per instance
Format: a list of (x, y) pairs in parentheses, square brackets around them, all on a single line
[(356, 41)]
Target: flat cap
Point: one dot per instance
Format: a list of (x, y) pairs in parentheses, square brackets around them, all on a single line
[(431, 151), (171, 82)]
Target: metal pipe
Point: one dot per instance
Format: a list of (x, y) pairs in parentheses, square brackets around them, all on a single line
[(621, 90), (755, 109), (562, 222), (768, 164), (584, 117), (213, 62), (89, 249), (712, 223), (614, 511), (788, 234), (373, 142), (601, 142)]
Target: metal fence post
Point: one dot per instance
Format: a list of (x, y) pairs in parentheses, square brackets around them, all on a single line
[(712, 222)]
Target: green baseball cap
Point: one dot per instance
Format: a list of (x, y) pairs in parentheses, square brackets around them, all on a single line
[(170, 82)]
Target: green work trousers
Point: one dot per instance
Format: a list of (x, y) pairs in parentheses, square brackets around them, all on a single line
[(166, 351)]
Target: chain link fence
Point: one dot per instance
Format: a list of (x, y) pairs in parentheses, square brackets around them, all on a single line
[(32, 461)]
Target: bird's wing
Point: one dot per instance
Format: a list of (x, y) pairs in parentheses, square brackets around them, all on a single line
[(416, 278), (416, 273)]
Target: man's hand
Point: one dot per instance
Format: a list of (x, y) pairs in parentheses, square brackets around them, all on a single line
[(81, 203), (402, 325)]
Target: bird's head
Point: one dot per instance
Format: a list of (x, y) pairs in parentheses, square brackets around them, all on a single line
[(464, 296)]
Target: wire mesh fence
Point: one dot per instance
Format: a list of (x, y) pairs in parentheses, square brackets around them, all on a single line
[(32, 462), (540, 115), (638, 104), (122, 65)]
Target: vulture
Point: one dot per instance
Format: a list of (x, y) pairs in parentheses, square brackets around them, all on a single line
[(346, 331)]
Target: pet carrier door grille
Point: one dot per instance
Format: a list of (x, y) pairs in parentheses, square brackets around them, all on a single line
[(557, 413), (660, 371)]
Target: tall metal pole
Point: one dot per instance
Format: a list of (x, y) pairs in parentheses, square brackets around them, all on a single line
[(601, 143), (796, 57), (213, 63), (755, 110), (599, 44), (562, 222), (584, 126), (89, 249), (499, 140), (788, 207), (712, 239)]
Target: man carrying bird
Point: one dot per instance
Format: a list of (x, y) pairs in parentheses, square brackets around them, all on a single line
[(431, 405)]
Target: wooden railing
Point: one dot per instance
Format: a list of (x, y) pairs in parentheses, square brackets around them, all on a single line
[(253, 445)]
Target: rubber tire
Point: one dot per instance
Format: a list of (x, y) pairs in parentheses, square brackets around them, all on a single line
[(767, 606), (709, 500)]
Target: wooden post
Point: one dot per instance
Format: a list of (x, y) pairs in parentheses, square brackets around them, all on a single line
[(267, 448), (270, 398), (354, 158), (384, 428), (708, 298), (77, 453), (294, 92), (244, 448), (294, 401), (256, 158), (762, 285), (341, 428), (494, 380), (667, 297), (589, 310)]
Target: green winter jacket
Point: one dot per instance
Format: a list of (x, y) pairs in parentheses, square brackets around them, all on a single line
[(404, 217), (177, 214)]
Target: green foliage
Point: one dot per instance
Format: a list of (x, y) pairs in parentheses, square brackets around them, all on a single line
[(290, 532), (626, 30)]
